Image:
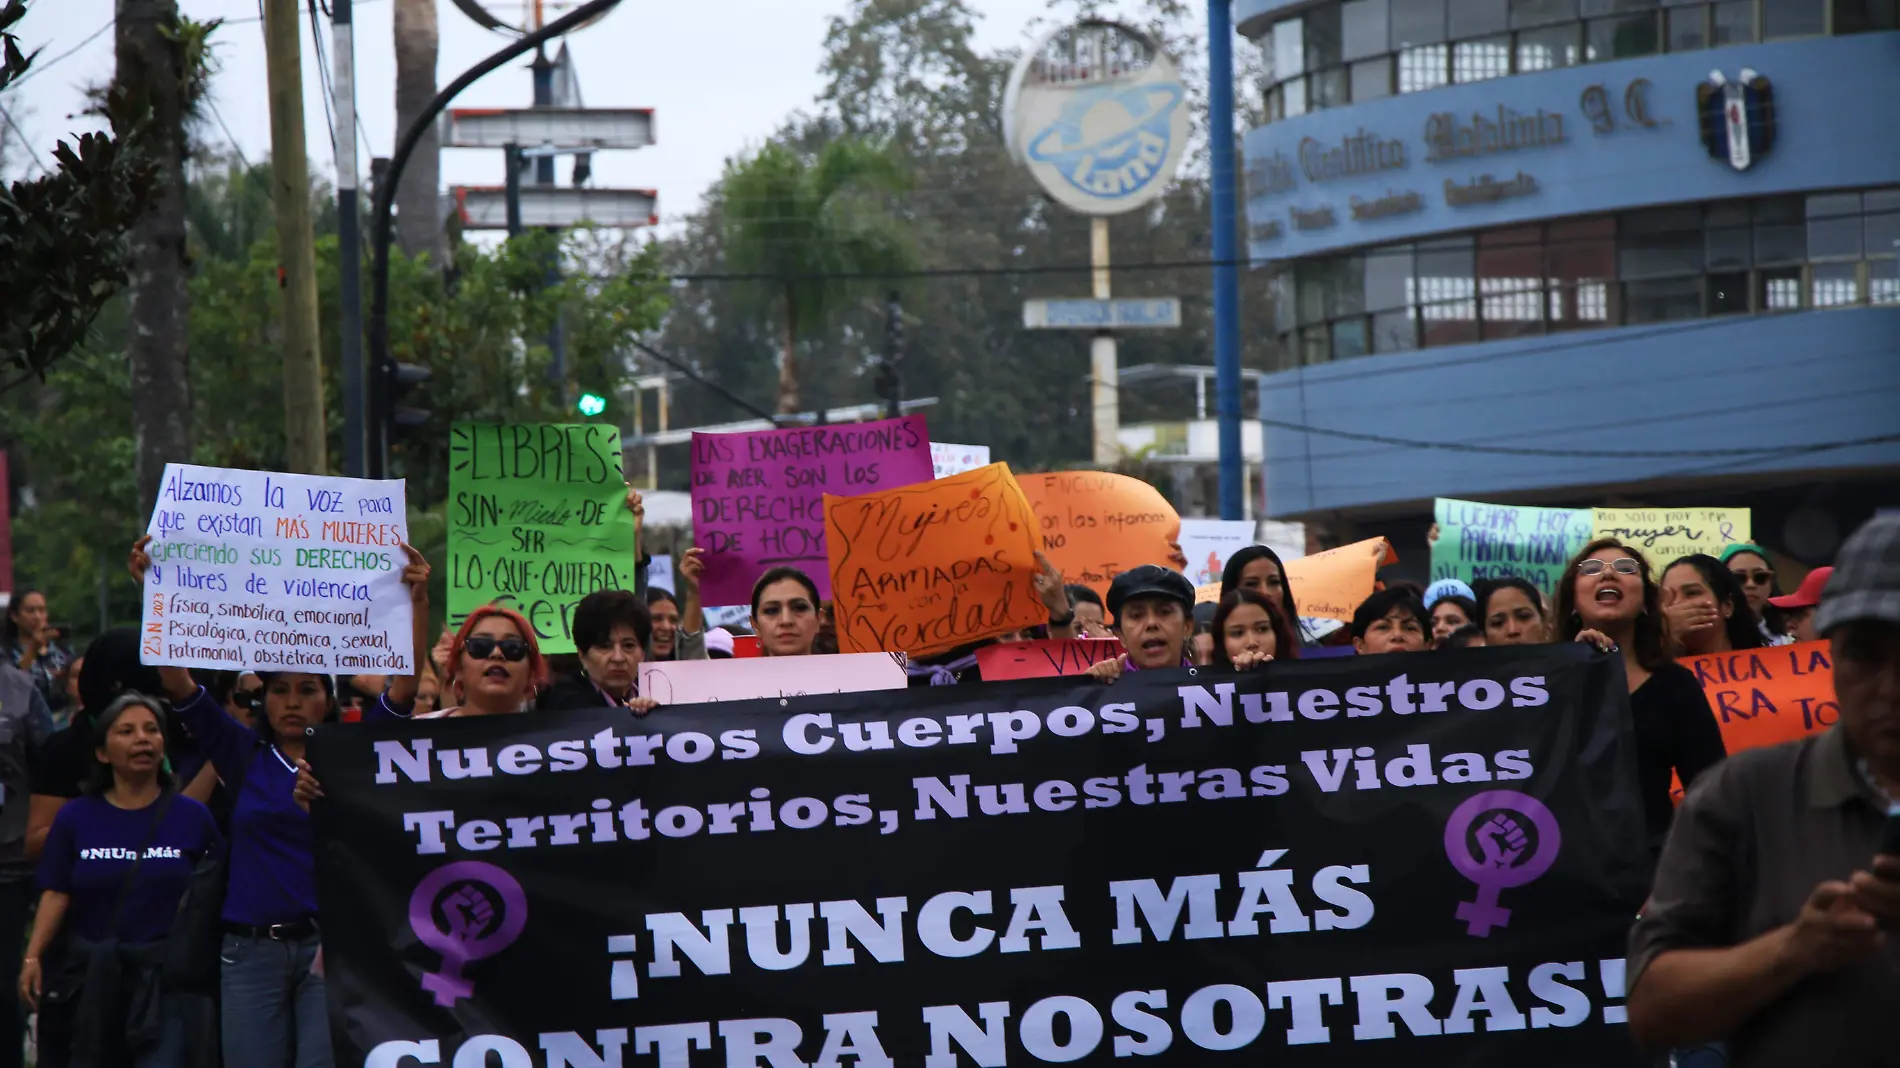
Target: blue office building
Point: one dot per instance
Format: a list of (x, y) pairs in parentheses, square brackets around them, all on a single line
[(1617, 251)]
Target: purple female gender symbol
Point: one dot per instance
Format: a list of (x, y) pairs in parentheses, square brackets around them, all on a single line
[(469, 893), (1503, 842)]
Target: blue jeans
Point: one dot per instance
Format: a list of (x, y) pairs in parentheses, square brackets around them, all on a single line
[(274, 1016)]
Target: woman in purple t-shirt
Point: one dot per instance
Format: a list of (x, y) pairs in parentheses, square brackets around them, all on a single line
[(90, 889)]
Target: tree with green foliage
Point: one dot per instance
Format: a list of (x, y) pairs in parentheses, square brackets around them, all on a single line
[(63, 235), (480, 327), (812, 225)]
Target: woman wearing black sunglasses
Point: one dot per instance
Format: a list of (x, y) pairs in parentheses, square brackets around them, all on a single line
[(1607, 598)]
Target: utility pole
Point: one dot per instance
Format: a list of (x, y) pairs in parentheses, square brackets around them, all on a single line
[(349, 242), (1224, 199), (296, 241)]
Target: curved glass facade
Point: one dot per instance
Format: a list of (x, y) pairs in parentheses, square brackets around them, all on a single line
[(1735, 257), (1334, 54)]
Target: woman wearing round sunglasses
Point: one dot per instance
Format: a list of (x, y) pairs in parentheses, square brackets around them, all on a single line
[(1607, 598), (494, 667)]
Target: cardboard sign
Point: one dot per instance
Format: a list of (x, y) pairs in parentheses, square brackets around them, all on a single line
[(933, 566), (1666, 534), (537, 520), (1209, 543), (269, 571), (1331, 584), (693, 682), (1043, 659), (758, 497), (947, 459), (1095, 525), (1493, 541), (1763, 697)]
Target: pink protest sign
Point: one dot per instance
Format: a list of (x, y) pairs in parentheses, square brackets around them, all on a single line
[(759, 497)]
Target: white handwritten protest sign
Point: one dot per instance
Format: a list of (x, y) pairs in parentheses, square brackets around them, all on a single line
[(691, 682), (256, 569)]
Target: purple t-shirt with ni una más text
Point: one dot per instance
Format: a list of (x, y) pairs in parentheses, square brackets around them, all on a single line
[(90, 849)]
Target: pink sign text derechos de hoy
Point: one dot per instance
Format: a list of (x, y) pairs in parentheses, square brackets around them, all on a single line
[(758, 497)]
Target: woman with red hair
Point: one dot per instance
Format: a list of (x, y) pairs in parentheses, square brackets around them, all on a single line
[(494, 666)]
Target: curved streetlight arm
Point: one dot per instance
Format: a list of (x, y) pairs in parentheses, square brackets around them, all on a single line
[(385, 196)]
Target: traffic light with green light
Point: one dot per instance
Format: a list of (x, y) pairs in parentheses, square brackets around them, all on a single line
[(592, 404)]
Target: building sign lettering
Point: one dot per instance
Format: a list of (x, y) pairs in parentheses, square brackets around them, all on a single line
[(1269, 175), (1360, 153), (1447, 138), (1315, 219), (1267, 230), (1595, 102), (1485, 189), (1391, 204)]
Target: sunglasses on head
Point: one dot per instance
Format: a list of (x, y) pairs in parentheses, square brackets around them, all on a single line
[(1754, 578), (481, 647), (1622, 565)]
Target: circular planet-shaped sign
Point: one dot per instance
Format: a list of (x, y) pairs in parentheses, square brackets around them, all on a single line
[(1097, 113)]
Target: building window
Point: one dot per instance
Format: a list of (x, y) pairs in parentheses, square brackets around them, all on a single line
[(1621, 37), (1541, 12), (1834, 226), (1423, 68), (1792, 18), (1729, 239), (1661, 243), (1372, 79), (1417, 22), (1477, 61), (1728, 293), (1883, 221), (1781, 235), (1293, 96), (1363, 28), (1865, 16), (1781, 289), (1883, 281), (1327, 89), (1349, 339), (1662, 300), (1835, 285), (1688, 28), (1733, 22), (1544, 49), (1477, 18)]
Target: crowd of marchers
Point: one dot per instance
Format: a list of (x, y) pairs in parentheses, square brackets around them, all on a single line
[(159, 873)]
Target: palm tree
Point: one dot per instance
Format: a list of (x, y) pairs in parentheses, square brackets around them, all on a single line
[(418, 215), (813, 225)]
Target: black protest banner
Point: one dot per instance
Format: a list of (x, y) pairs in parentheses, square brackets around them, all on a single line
[(1397, 859)]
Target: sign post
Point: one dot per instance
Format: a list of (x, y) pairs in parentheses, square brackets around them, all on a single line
[(1097, 114)]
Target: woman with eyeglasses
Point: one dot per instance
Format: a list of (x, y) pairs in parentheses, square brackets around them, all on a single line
[(1607, 598), (1756, 576), (271, 999), (1704, 610), (1511, 611)]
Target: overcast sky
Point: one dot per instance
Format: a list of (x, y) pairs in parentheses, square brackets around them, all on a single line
[(720, 75)]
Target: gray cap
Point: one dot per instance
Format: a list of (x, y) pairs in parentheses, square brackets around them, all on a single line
[(1149, 580), (1866, 582)]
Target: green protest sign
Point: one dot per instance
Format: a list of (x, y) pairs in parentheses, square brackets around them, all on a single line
[(1478, 541), (537, 520)]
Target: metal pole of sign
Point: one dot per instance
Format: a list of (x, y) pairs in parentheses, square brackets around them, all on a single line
[(1104, 376), (1220, 99), (349, 245)]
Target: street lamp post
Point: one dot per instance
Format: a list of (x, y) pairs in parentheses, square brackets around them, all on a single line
[(376, 389)]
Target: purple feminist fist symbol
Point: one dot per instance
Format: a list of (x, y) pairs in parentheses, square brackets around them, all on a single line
[(1503, 841), (482, 910)]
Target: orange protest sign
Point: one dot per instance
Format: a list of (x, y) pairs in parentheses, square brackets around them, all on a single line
[(1095, 525), (934, 565), (1331, 584), (1763, 697)]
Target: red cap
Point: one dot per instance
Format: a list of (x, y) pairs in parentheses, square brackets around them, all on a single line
[(1809, 593)]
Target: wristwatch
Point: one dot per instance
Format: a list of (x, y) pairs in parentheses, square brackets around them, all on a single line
[(1064, 621)]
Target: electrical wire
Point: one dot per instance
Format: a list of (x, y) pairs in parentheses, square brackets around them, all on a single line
[(228, 135), (28, 145), (39, 66), (323, 81)]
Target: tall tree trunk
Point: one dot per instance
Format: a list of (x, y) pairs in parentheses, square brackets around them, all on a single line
[(151, 67), (788, 358), (418, 211)]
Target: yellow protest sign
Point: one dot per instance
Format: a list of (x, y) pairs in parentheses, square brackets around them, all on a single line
[(1665, 534), (934, 565), (1094, 525)]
